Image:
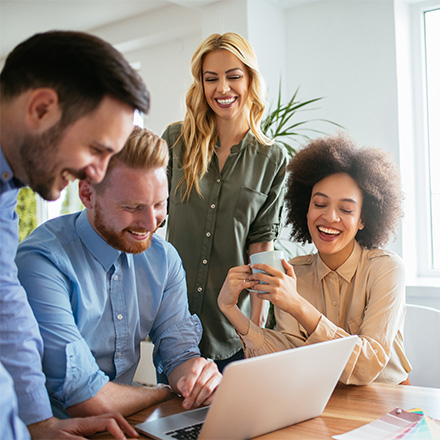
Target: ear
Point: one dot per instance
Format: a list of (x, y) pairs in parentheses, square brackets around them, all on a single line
[(361, 225), (86, 193), (42, 110)]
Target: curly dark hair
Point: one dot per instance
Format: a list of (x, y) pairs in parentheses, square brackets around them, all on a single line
[(372, 169)]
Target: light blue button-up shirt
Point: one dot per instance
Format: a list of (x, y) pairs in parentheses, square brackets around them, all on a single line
[(20, 342), (11, 427), (95, 304)]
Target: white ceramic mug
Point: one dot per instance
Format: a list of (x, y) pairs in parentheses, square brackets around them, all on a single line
[(271, 258)]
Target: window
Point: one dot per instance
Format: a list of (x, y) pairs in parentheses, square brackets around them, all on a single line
[(426, 33), (432, 96), (418, 46)]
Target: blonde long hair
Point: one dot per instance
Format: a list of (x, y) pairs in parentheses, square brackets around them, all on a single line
[(199, 128)]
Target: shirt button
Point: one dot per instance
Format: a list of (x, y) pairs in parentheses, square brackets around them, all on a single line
[(6, 175), (208, 234), (119, 317), (218, 180), (205, 261), (116, 278), (335, 303), (213, 206), (119, 354), (199, 289)]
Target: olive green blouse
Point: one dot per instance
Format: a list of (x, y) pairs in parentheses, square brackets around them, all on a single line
[(240, 205)]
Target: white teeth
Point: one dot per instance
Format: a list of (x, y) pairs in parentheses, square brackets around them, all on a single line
[(138, 233), (226, 101), (328, 231), (67, 176)]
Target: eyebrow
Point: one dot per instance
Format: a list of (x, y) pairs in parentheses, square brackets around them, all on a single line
[(104, 147), (341, 200), (228, 71)]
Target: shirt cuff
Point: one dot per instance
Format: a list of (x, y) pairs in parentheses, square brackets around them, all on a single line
[(177, 344), (83, 377), (35, 407), (325, 330), (254, 339)]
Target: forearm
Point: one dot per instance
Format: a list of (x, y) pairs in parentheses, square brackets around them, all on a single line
[(41, 430), (124, 399), (180, 371), (254, 248), (306, 314), (237, 318), (259, 309)]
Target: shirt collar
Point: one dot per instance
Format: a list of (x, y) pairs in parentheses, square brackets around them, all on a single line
[(96, 245), (6, 174), (248, 139), (346, 270)]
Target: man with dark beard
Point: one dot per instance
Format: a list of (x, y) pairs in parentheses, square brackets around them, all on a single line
[(100, 281), (67, 105)]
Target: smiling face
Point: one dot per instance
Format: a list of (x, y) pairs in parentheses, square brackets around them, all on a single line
[(82, 150), (226, 85), (130, 208), (334, 217)]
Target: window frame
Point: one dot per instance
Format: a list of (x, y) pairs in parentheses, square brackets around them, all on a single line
[(424, 238)]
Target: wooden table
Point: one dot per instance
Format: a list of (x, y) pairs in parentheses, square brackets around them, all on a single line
[(348, 408)]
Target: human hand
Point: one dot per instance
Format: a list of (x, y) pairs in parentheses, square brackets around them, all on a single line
[(199, 382), (279, 287), (80, 427), (236, 280)]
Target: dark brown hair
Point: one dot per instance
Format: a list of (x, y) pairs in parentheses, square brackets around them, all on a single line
[(371, 168), (80, 67)]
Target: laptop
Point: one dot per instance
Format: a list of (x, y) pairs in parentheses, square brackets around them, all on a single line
[(262, 394)]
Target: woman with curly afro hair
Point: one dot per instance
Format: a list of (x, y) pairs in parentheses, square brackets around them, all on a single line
[(347, 202)]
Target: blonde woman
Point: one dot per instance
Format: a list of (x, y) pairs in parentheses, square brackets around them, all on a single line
[(226, 184)]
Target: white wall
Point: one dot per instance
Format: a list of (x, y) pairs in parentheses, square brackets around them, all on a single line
[(161, 43), (225, 16), (347, 48), (345, 52), (167, 79)]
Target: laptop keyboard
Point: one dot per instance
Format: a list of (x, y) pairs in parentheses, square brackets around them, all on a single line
[(188, 433)]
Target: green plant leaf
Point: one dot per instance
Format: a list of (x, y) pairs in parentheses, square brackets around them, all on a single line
[(279, 125)]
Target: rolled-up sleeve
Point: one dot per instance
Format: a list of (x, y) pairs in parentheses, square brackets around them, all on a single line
[(177, 344), (260, 341), (83, 377)]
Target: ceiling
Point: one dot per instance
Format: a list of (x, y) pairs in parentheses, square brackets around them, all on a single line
[(19, 19)]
